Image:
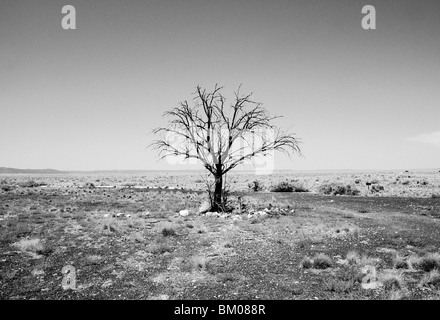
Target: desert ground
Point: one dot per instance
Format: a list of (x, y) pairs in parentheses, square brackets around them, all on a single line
[(289, 235)]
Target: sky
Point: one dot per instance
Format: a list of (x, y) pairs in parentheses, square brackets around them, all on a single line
[(88, 99)]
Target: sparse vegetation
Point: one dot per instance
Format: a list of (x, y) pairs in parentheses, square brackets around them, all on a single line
[(391, 280), (168, 232), (319, 261), (400, 262), (428, 262), (322, 261), (338, 189), (430, 279), (255, 185), (286, 186), (115, 237), (31, 184)]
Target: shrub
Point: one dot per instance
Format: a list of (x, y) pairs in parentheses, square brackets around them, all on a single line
[(282, 187), (31, 184), (300, 188), (167, 232), (377, 188), (288, 187), (429, 262), (306, 262), (159, 248), (89, 185), (391, 280), (399, 262), (322, 261), (255, 185), (338, 189), (6, 188), (432, 278)]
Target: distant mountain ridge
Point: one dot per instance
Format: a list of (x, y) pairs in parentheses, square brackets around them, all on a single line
[(39, 171)]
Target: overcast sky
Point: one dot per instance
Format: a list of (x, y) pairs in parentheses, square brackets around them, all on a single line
[(87, 99)]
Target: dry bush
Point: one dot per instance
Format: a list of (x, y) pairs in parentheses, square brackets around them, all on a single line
[(319, 261), (338, 189), (286, 186), (256, 185), (426, 263), (430, 279), (160, 246), (306, 262), (377, 188), (391, 279), (399, 262), (353, 258), (31, 184), (322, 261), (168, 232)]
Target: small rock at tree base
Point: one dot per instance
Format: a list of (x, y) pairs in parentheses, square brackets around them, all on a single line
[(204, 207)]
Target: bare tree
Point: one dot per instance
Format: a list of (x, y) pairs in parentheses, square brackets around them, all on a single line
[(221, 137)]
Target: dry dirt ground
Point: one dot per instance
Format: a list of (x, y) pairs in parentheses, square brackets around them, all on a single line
[(63, 238)]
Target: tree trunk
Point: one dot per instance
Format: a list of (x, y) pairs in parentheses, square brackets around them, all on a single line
[(218, 191)]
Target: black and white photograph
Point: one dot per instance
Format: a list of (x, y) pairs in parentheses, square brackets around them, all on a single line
[(240, 152)]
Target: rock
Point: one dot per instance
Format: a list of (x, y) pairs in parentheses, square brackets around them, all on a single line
[(204, 207), (341, 261), (107, 283), (184, 213), (37, 272)]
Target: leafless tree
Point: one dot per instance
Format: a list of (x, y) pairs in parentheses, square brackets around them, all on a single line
[(221, 137)]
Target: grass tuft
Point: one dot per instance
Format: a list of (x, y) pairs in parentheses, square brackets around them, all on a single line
[(168, 232)]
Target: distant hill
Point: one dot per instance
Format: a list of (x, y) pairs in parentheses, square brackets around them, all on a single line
[(26, 171)]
